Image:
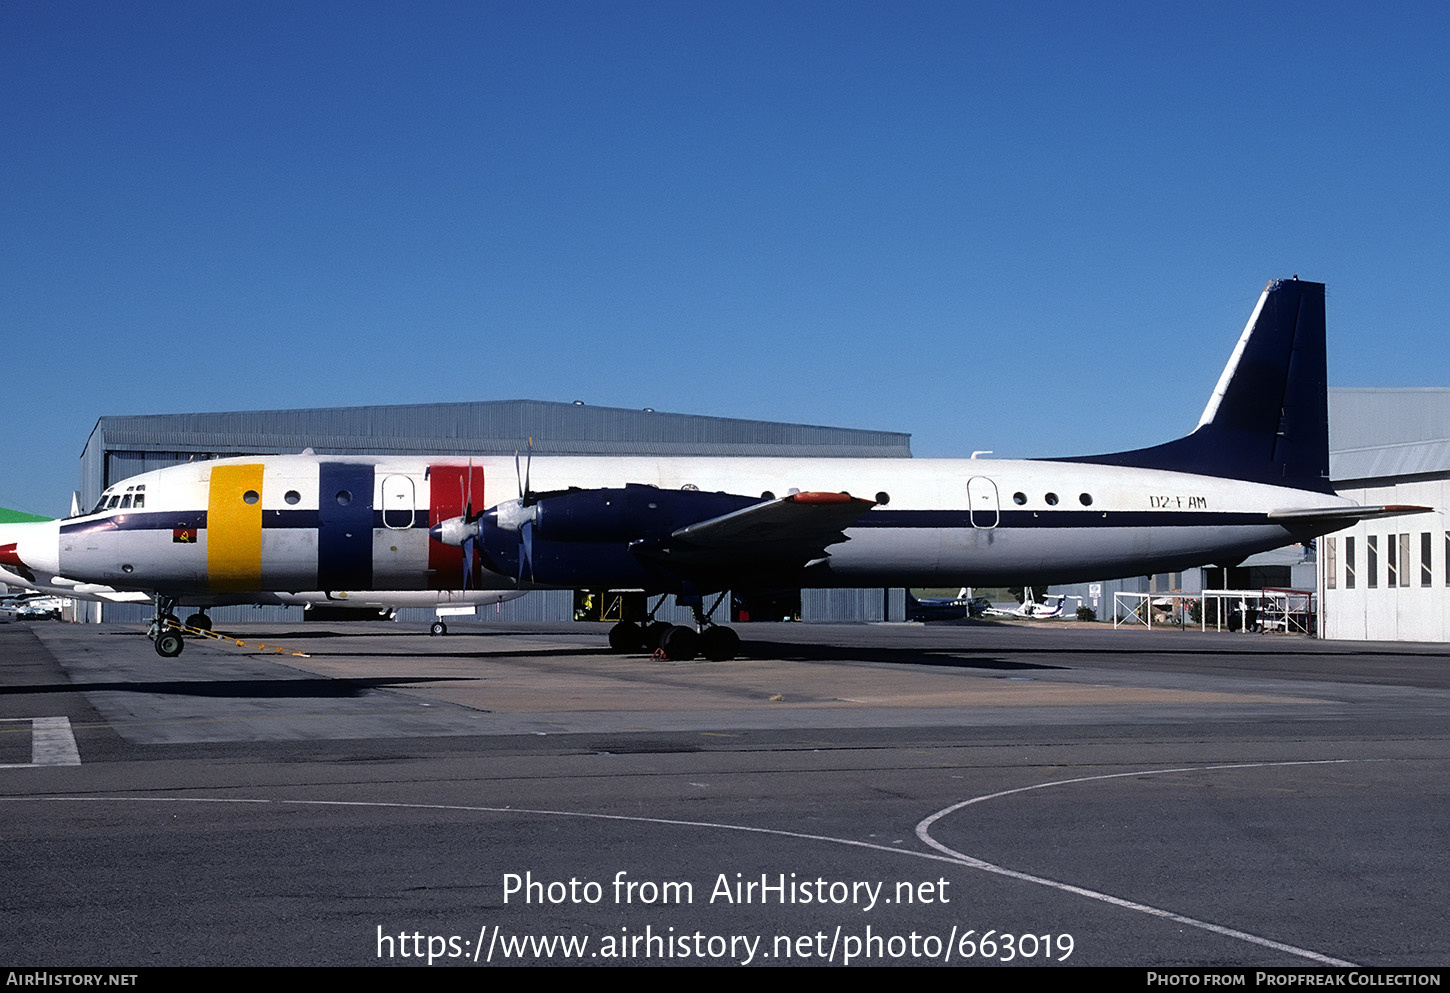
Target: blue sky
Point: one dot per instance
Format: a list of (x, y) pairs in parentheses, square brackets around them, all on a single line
[(1035, 228)]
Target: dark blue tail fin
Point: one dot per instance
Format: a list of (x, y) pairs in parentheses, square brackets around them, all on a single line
[(1268, 418)]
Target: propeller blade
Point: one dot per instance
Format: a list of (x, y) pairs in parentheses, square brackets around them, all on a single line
[(526, 536), (468, 563), (528, 467)]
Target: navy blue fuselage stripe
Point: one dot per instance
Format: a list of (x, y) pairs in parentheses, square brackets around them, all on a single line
[(344, 526), (1009, 519), (1060, 518)]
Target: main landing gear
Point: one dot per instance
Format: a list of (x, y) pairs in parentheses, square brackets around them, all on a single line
[(677, 642), (165, 629)]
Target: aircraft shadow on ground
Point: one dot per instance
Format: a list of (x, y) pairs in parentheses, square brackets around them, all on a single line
[(303, 689), (793, 652)]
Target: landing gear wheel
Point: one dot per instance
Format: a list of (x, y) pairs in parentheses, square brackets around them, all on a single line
[(161, 624), (199, 620), (719, 644), (680, 644), (169, 643), (654, 635), (437, 627), (626, 637)]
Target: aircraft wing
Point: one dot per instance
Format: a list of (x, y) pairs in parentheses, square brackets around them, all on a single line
[(791, 530)]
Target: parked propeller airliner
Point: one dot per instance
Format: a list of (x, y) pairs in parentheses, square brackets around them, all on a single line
[(1252, 476)]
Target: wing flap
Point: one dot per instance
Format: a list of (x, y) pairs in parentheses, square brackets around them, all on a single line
[(794, 529)]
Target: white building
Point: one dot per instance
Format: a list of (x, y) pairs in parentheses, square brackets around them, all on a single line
[(1389, 579)]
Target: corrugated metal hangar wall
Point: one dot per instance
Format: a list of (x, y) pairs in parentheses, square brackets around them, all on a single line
[(122, 446)]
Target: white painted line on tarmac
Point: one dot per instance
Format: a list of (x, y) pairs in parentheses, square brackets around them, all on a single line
[(51, 742), (923, 831), (941, 854)]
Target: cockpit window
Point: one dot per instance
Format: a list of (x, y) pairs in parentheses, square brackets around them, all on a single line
[(126, 501), (140, 499)]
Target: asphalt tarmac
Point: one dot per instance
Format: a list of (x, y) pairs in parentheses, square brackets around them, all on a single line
[(869, 794)]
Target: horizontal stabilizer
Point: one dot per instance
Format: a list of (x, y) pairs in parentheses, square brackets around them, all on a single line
[(1345, 516)]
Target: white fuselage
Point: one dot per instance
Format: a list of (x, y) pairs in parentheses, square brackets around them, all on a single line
[(306, 522)]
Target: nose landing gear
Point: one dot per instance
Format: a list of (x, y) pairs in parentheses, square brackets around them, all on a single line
[(165, 629)]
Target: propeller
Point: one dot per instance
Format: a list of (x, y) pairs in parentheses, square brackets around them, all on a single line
[(462, 531), (518, 516)]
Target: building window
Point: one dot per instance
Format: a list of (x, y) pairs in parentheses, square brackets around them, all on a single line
[(1331, 565), (1404, 560), (1349, 561), (1371, 562), (1392, 575), (1427, 574)]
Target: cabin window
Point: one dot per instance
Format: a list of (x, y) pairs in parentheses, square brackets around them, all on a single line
[(1051, 499), (1086, 499), (344, 497), (883, 498), (1019, 498), (251, 496), (292, 497)]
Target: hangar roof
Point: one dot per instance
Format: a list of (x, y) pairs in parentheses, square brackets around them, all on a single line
[(1377, 433), (488, 427)]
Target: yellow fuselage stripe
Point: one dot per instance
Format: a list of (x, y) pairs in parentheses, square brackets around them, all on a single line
[(234, 528)]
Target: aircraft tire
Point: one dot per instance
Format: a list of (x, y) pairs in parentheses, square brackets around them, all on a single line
[(199, 620), (654, 635), (626, 637), (719, 644), (169, 643), (680, 644), (437, 628)]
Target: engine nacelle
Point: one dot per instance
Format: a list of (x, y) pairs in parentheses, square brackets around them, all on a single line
[(573, 538)]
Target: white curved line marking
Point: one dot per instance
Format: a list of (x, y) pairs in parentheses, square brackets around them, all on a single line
[(923, 830), (947, 855)]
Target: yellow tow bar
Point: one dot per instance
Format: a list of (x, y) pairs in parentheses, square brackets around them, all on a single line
[(254, 645)]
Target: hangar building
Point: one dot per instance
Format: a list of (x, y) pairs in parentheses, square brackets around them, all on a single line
[(1389, 579)]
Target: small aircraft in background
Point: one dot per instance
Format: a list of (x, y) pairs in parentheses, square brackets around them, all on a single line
[(963, 605), (33, 605), (1050, 608)]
